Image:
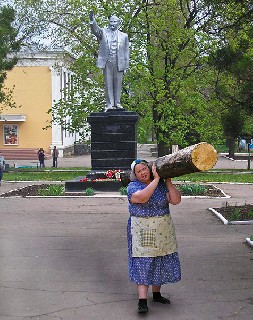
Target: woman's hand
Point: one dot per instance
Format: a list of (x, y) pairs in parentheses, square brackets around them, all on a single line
[(155, 174)]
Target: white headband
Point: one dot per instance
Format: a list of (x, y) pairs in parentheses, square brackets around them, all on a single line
[(137, 161)]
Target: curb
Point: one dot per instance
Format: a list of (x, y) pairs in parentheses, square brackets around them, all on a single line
[(249, 242), (227, 222)]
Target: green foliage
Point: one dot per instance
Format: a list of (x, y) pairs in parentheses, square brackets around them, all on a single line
[(192, 189), (220, 176), (250, 214), (169, 71), (89, 192), (8, 45), (221, 147), (123, 191), (233, 122), (52, 190), (233, 59), (46, 175), (235, 215)]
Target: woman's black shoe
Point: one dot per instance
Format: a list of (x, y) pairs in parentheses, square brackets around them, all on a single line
[(142, 306), (157, 297), (142, 309)]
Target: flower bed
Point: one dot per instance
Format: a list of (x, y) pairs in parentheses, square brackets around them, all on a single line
[(100, 181), (234, 214), (111, 185)]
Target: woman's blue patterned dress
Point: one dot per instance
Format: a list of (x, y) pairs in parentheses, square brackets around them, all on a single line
[(146, 270)]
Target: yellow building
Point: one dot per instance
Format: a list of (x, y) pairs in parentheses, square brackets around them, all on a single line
[(38, 80)]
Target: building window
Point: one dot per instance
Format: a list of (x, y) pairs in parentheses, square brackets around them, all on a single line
[(10, 134)]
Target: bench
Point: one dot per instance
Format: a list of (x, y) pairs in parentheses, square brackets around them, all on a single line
[(19, 166)]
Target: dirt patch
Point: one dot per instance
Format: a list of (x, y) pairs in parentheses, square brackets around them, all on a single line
[(31, 190), (236, 213)]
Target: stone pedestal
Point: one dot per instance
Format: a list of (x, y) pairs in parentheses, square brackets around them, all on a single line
[(113, 139)]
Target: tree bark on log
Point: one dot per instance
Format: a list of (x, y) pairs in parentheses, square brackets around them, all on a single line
[(195, 158)]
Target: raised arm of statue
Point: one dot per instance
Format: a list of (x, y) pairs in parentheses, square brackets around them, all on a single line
[(95, 29)]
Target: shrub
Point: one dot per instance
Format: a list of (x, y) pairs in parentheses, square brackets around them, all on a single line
[(52, 190), (89, 192), (235, 215), (250, 214), (192, 189), (123, 191)]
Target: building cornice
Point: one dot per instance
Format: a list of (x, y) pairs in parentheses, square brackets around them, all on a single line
[(44, 58)]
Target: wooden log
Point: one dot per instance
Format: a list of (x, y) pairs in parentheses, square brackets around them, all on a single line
[(195, 158)]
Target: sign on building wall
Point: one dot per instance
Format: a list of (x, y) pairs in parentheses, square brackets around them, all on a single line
[(10, 134)]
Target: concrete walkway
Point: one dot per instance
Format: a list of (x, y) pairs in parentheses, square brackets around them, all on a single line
[(67, 259)]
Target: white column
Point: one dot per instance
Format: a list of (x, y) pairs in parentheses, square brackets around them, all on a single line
[(57, 138)]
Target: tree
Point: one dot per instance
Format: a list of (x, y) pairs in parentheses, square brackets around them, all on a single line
[(8, 45), (173, 34), (168, 59), (234, 63)]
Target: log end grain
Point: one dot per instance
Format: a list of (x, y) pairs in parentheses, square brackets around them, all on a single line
[(204, 156)]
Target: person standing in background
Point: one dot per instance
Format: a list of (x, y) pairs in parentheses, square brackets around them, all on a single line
[(55, 154), (41, 157), (2, 163)]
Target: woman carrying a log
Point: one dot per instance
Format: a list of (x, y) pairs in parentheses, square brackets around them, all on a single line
[(152, 247)]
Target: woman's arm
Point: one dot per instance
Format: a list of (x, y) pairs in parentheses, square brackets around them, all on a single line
[(174, 195)]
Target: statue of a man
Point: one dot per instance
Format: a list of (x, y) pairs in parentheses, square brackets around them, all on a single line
[(113, 58)]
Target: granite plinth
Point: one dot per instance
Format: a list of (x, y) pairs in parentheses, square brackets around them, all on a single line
[(113, 139), (105, 186)]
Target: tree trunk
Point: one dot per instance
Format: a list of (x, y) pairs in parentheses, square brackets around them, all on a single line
[(195, 158), (163, 149), (231, 147)]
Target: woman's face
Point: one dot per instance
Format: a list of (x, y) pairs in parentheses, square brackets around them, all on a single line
[(142, 172)]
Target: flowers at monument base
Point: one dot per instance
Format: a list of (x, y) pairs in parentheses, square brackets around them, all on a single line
[(109, 175)]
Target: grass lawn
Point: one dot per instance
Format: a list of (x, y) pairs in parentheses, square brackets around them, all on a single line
[(63, 174), (219, 176)]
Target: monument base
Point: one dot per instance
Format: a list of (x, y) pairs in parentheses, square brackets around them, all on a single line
[(98, 180), (113, 139), (81, 186)]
